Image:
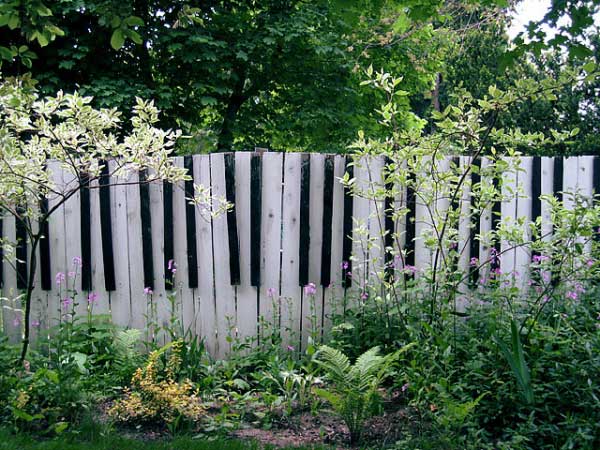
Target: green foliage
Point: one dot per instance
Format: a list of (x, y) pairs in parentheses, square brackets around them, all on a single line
[(516, 359), (354, 391)]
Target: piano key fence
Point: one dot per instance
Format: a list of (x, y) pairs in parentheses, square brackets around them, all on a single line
[(306, 234)]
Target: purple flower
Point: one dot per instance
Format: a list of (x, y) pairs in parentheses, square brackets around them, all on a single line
[(572, 295), (77, 261), (546, 277), (310, 289), (60, 278), (290, 348), (545, 299), (67, 302), (16, 321), (172, 266), (537, 259), (35, 323), (345, 265), (349, 274), (474, 261), (364, 295), (71, 274), (405, 387), (271, 292), (590, 262), (410, 269), (148, 291), (92, 298)]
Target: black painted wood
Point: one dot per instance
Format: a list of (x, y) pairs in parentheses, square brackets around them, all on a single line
[(106, 229), (558, 177), (327, 222), (304, 220), (255, 218), (536, 187), (86, 234), (475, 228), (411, 205), (232, 231), (21, 248), (496, 218), (454, 206), (190, 224), (168, 231), (146, 218), (596, 184), (45, 269), (347, 238)]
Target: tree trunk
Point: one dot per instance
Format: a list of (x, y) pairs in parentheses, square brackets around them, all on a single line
[(234, 104)]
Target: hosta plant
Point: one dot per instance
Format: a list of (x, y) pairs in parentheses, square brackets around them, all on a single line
[(353, 389)]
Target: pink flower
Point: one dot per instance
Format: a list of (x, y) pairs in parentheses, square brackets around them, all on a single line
[(590, 262), (172, 266), (410, 269), (290, 348), (572, 295), (16, 321), (35, 323), (271, 292), (545, 299), (71, 274), (310, 289), (364, 295), (345, 265), (537, 259), (67, 302), (92, 298), (474, 262), (77, 261), (148, 291), (60, 278), (349, 274), (405, 387), (546, 277)]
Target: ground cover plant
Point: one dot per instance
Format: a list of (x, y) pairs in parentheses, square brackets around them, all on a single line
[(456, 354)]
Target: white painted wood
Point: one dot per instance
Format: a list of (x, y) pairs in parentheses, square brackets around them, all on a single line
[(464, 222), (585, 184), (120, 299), (423, 217), (135, 252), (486, 237), (205, 296), (12, 315), (333, 299), (57, 245), (547, 189), (72, 211), (400, 222), (440, 205), (509, 213), (570, 173), (360, 231), (376, 185), (246, 306), (312, 304), (101, 305), (290, 285), (224, 291), (39, 298), (185, 295), (270, 233), (523, 207), (158, 303)]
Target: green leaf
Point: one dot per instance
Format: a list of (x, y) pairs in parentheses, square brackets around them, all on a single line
[(13, 21), (43, 10), (117, 39), (134, 21), (134, 36), (6, 54)]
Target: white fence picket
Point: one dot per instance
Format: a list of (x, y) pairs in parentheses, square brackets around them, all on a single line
[(290, 285), (11, 313)]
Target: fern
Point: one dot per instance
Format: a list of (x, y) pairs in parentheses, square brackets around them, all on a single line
[(354, 388), (126, 354)]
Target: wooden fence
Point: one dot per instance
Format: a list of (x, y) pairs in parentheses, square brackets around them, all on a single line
[(293, 224)]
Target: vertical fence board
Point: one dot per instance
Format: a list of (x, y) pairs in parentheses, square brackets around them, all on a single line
[(205, 303), (224, 290), (290, 289), (11, 317), (360, 231), (523, 208), (270, 251), (509, 214), (247, 312), (335, 292), (101, 305), (185, 295)]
